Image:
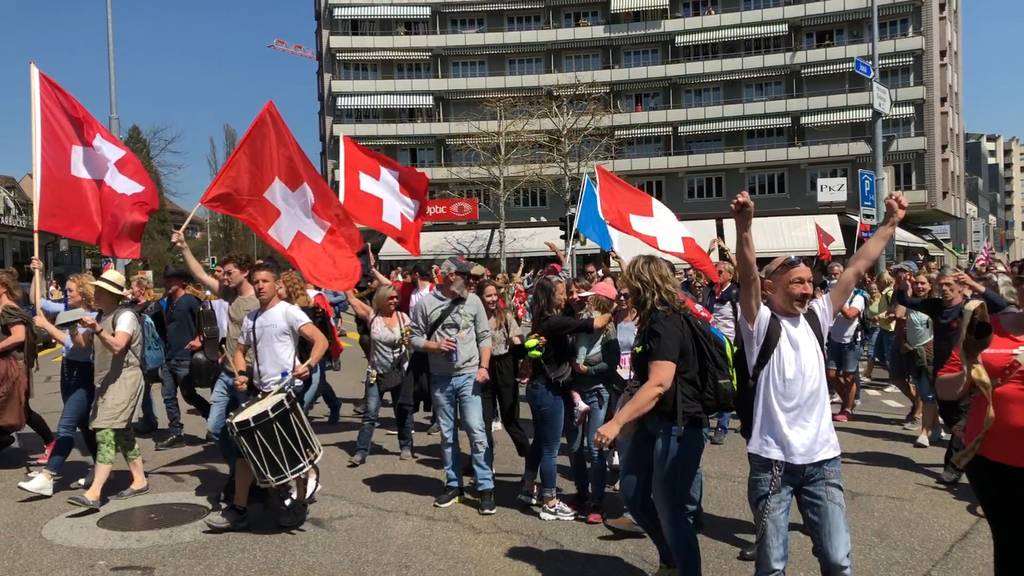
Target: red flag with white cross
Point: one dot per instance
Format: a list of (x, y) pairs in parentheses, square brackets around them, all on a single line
[(380, 193), (824, 241), (91, 187), (635, 212), (269, 184)]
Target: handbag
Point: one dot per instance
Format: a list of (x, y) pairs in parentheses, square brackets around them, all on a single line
[(395, 376)]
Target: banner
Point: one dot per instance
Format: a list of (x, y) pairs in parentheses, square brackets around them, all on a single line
[(452, 210)]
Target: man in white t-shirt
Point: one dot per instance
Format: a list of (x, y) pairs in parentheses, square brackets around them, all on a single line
[(793, 449), (844, 348), (272, 331)]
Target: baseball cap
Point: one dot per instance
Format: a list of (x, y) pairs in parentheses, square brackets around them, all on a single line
[(603, 289), (553, 270), (456, 266), (908, 265)]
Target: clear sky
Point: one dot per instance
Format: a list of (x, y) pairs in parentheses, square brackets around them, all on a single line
[(195, 64)]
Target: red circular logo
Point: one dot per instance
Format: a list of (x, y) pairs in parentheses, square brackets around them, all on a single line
[(461, 208)]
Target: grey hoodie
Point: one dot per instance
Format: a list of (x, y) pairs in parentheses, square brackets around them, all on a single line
[(467, 323)]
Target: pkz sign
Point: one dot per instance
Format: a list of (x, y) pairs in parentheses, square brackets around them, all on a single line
[(11, 212), (832, 190)]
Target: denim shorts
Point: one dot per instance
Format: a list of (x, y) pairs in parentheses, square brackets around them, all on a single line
[(844, 358)]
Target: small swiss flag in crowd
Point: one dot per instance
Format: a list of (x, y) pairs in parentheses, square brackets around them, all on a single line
[(91, 187), (269, 184), (380, 193)]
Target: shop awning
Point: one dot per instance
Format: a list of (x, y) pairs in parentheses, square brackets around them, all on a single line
[(628, 247), (738, 33), (368, 55), (382, 11), (644, 131), (851, 115), (481, 244), (493, 6), (789, 235), (909, 239), (385, 101), (735, 125), (637, 5)]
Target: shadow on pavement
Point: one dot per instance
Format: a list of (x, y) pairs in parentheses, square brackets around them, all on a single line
[(409, 483), (887, 460), (558, 561)]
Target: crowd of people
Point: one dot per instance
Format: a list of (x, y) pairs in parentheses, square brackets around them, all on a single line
[(608, 362)]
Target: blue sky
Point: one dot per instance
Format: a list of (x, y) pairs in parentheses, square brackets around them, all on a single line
[(196, 64)]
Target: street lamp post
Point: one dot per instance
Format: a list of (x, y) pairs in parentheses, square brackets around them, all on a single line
[(877, 145), (114, 122)]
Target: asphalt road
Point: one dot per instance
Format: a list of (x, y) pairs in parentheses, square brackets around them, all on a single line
[(378, 519)]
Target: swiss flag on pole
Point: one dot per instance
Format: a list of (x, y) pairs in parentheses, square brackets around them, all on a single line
[(824, 241), (269, 184), (90, 187), (634, 212), (381, 193)]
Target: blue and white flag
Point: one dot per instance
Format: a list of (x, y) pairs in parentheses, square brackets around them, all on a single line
[(589, 221)]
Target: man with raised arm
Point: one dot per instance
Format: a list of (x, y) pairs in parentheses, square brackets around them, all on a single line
[(784, 407)]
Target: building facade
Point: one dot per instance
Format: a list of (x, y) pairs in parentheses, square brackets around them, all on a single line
[(706, 97), (993, 182)]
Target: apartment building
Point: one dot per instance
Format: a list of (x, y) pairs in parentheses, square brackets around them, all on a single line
[(707, 97), (993, 182)]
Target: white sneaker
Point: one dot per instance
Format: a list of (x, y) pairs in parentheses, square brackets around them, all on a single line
[(890, 389), (42, 484), (938, 435), (496, 425), (560, 511), (835, 399), (922, 441)]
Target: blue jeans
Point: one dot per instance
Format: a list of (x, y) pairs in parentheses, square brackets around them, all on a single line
[(175, 376), (548, 410), (844, 357), (818, 488), (77, 390), (724, 418), (581, 445), (661, 484), (883, 347), (223, 400), (311, 390), (461, 390), (403, 419)]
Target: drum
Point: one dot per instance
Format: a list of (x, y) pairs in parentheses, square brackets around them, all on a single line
[(274, 436)]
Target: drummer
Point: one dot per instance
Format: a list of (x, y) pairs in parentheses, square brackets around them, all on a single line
[(271, 332)]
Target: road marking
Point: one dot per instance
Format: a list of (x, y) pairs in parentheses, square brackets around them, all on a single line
[(872, 392), (892, 403), (48, 351)]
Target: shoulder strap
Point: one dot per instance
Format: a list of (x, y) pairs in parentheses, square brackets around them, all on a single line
[(768, 346), (812, 318), (255, 348), (444, 316)]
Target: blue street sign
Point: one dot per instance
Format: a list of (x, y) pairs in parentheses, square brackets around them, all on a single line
[(868, 199), (863, 67)]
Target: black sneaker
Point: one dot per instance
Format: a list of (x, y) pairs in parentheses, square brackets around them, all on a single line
[(487, 506), (171, 442), (449, 497), (748, 553), (230, 519), (434, 429), (294, 515), (950, 476), (719, 438)]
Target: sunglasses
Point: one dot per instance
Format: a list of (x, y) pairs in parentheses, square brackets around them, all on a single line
[(789, 263), (623, 295)]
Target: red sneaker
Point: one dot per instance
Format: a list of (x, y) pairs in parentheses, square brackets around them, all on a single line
[(842, 416), (44, 458), (595, 516)]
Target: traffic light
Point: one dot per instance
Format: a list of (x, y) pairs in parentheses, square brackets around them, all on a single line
[(563, 228), (213, 262)]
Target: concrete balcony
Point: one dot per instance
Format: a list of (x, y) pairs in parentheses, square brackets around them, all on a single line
[(610, 76)]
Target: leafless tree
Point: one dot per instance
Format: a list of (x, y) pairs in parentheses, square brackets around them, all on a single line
[(165, 151), (226, 232), (498, 155)]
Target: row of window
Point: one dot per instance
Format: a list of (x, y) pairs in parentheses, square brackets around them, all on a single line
[(710, 186)]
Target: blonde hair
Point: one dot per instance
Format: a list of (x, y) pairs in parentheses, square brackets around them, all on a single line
[(380, 298), (884, 281), (83, 283), (9, 281), (652, 286), (295, 287)]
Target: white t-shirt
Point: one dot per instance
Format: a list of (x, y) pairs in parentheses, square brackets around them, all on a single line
[(127, 323), (843, 328), (792, 416), (417, 295), (277, 335)]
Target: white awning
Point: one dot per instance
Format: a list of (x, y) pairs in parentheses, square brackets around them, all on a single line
[(851, 115), (908, 239), (637, 5), (481, 244), (895, 60), (789, 235), (827, 68), (740, 33), (663, 130), (487, 94), (395, 141), (385, 101), (368, 55), (835, 18), (384, 11), (742, 75), (735, 125), (629, 247), (493, 6)]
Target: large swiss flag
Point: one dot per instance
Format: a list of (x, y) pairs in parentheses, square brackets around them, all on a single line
[(632, 211), (269, 184), (91, 187), (380, 193)]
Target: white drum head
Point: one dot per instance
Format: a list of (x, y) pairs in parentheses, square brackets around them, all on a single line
[(260, 406)]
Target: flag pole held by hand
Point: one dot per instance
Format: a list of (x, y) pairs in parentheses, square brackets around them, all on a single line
[(187, 221), (33, 78)]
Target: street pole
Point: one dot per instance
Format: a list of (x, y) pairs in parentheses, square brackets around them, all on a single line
[(209, 252), (877, 145), (114, 122)]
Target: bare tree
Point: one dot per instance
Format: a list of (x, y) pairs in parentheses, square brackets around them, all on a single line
[(226, 232), (499, 153), (577, 134), (166, 154)]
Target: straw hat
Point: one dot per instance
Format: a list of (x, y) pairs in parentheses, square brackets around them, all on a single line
[(112, 281)]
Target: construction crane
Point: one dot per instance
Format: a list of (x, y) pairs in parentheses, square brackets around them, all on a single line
[(293, 49)]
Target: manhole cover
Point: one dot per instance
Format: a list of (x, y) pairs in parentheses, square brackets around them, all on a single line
[(153, 517)]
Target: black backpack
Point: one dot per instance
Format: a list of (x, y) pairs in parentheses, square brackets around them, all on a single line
[(746, 378), (716, 377)]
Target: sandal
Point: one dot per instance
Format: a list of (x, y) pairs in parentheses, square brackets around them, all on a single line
[(82, 502)]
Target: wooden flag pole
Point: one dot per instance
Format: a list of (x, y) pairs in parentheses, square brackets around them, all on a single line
[(189, 219), (33, 74)]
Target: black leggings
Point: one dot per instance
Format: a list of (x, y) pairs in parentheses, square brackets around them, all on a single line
[(998, 488), (34, 421), (952, 412), (503, 390)]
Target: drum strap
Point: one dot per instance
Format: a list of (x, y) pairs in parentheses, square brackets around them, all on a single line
[(256, 348)]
